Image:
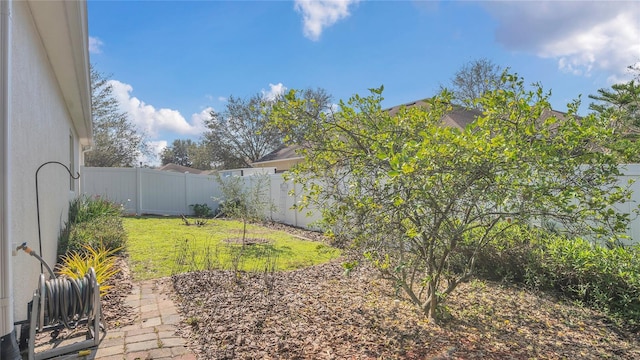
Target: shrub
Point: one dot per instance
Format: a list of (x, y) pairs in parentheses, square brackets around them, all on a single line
[(93, 221), (202, 210), (604, 278), (106, 231), (86, 208), (505, 258), (600, 277)]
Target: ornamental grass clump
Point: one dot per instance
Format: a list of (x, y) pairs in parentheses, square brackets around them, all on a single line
[(76, 264)]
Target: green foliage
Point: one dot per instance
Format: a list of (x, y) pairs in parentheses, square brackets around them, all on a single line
[(605, 278), (202, 210), (117, 142), (503, 258), (620, 105), (86, 208), (239, 135), (93, 221), (420, 198), (473, 80), (76, 265), (187, 153), (106, 231)]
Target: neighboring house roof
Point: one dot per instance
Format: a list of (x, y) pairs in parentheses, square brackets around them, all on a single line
[(458, 117), (181, 169), (281, 153), (62, 26)]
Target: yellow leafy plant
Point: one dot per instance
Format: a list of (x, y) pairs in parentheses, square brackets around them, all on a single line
[(76, 265)]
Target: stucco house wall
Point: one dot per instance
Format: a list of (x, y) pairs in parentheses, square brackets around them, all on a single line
[(49, 120)]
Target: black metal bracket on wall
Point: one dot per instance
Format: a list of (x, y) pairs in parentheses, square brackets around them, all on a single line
[(74, 177)]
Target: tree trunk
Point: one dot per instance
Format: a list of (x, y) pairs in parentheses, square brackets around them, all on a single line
[(432, 304)]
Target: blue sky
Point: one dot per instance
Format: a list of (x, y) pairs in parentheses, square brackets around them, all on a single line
[(171, 62)]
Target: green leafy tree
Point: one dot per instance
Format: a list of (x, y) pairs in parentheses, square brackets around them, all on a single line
[(117, 143), (621, 106), (421, 200), (240, 134), (201, 156), (179, 152), (318, 106)]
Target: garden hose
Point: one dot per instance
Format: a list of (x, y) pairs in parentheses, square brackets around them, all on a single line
[(68, 300), (64, 300), (33, 253)]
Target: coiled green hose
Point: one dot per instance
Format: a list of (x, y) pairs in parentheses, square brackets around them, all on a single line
[(68, 300)]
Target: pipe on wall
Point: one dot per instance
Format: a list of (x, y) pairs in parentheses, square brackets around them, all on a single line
[(8, 345)]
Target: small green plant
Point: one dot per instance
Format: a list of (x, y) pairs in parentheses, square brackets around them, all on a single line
[(76, 265), (192, 321), (245, 198), (202, 210)]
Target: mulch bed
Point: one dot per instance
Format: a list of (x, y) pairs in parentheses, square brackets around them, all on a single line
[(318, 313), (115, 312)]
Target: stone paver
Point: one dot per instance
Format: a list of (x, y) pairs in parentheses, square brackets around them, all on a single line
[(152, 336)]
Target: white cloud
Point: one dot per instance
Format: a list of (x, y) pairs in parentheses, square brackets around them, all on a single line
[(198, 119), (222, 99), (152, 121), (582, 36), (95, 45), (320, 14), (274, 91)]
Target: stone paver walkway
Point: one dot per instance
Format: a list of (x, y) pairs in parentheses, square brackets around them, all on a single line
[(153, 335)]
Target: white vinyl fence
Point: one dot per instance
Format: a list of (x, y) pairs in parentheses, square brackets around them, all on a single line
[(155, 192), (631, 173), (146, 191)]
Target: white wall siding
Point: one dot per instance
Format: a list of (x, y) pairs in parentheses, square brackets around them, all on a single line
[(40, 128)]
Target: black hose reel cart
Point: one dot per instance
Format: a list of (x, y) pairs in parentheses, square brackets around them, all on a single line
[(60, 303)]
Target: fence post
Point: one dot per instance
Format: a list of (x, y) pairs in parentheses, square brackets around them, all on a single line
[(186, 194), (138, 192), (295, 204)]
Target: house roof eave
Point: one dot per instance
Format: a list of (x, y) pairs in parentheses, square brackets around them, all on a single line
[(63, 28)]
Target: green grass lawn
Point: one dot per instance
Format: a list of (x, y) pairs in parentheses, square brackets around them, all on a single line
[(162, 246)]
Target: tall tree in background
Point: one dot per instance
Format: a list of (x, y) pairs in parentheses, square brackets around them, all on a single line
[(117, 143), (187, 153), (240, 134), (201, 156), (473, 80), (178, 153), (621, 106)]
